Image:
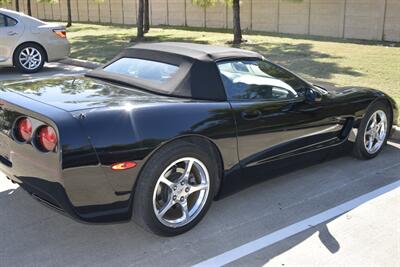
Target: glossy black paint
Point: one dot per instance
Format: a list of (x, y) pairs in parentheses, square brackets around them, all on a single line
[(100, 123)]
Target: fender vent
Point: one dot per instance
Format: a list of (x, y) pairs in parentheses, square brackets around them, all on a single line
[(347, 128)]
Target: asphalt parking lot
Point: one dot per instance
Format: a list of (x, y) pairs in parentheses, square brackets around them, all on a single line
[(367, 234), (53, 69)]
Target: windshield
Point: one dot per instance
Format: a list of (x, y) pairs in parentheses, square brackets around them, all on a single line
[(144, 69)]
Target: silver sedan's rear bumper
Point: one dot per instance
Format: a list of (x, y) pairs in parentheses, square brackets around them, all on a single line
[(58, 49)]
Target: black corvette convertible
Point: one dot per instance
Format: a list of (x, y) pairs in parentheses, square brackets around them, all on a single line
[(164, 128)]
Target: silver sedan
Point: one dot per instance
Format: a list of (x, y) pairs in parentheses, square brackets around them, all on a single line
[(27, 43)]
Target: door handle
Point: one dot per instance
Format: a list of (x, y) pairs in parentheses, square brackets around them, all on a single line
[(251, 114), (11, 33)]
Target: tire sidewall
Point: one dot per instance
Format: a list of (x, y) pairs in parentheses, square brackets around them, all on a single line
[(360, 147), (19, 66), (143, 211)]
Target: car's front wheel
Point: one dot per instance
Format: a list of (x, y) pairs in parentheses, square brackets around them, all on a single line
[(29, 58), (373, 131), (175, 189)]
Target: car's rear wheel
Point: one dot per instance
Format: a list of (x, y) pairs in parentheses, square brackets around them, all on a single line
[(175, 189), (29, 58), (373, 131)]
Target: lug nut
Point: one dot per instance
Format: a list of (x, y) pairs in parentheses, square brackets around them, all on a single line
[(175, 187), (182, 199), (174, 197), (187, 189), (182, 183)]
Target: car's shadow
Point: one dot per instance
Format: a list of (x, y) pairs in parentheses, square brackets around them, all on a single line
[(31, 234), (49, 70)]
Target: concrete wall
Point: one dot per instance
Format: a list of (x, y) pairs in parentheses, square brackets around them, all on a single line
[(93, 11), (392, 21), (176, 11), (159, 11), (130, 13), (327, 17), (364, 19), (268, 11), (216, 17), (116, 11), (194, 15), (360, 19)]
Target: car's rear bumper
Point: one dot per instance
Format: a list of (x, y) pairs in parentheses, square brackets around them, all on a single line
[(48, 194), (54, 195), (58, 49)]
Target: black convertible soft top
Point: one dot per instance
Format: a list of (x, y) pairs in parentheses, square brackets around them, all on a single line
[(198, 76)]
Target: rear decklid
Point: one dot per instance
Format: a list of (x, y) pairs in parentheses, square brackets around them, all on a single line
[(21, 160), (79, 93), (52, 26), (45, 173)]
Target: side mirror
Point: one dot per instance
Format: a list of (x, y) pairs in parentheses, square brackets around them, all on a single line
[(312, 95)]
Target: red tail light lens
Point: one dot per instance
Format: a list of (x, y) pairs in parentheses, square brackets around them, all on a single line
[(47, 138), (60, 33), (24, 130)]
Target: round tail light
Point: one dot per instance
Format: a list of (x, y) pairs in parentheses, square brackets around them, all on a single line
[(47, 138), (24, 130)]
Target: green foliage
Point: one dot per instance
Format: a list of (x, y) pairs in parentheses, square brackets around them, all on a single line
[(47, 1), (204, 3), (229, 2), (210, 3), (4, 2)]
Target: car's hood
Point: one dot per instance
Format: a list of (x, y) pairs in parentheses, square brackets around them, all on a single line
[(78, 93)]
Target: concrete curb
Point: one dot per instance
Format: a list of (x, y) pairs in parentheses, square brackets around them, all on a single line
[(81, 63)]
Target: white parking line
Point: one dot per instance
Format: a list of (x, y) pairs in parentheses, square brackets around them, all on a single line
[(293, 229)]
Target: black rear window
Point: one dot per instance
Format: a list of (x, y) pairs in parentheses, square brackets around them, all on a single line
[(10, 21), (7, 21)]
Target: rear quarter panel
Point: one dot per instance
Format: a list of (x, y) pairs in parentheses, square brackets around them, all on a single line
[(135, 132), (71, 176)]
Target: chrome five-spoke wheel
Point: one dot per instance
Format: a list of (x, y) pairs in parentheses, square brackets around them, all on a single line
[(375, 132), (181, 192), (176, 187), (30, 58)]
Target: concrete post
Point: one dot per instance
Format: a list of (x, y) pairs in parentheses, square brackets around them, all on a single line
[(309, 17), (384, 21), (278, 16), (344, 19)]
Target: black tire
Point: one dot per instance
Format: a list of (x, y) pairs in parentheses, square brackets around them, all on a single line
[(359, 149), (143, 211), (20, 66)]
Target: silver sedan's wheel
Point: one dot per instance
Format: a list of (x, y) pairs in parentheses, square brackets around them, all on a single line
[(375, 132), (181, 192), (30, 58)]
